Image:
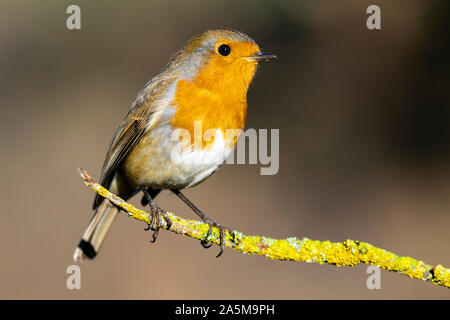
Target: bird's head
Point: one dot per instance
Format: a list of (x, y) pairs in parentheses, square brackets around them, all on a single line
[(220, 58)]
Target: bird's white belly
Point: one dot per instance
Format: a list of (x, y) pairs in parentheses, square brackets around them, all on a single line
[(160, 161)]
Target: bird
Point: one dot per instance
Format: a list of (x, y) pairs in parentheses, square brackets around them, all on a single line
[(205, 82)]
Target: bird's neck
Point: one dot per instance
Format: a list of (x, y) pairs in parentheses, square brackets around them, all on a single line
[(217, 99)]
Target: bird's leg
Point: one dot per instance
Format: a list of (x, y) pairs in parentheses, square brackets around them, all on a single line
[(207, 220), (156, 213)]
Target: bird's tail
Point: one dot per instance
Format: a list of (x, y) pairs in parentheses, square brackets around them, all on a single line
[(96, 231)]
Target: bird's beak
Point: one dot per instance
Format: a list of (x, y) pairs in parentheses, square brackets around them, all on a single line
[(261, 56)]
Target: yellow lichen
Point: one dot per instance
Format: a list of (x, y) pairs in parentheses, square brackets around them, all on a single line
[(347, 253)]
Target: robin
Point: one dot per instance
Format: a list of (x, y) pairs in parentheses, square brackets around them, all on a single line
[(206, 82)]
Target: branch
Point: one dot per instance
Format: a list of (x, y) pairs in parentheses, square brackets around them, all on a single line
[(347, 253)]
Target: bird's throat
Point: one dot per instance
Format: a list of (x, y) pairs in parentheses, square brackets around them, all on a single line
[(217, 97)]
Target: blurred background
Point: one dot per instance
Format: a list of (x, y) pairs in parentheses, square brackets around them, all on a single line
[(364, 146)]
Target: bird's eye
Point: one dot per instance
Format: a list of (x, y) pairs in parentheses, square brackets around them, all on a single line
[(224, 50)]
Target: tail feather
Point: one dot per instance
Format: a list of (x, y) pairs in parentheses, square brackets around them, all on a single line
[(96, 232)]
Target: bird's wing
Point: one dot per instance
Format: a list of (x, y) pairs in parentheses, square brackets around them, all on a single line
[(137, 122)]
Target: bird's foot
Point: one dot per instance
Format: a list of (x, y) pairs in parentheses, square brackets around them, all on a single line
[(222, 230), (157, 214)]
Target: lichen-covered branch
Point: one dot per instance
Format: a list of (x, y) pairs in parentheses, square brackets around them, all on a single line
[(347, 253)]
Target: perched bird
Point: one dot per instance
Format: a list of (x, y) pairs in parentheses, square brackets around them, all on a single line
[(206, 82)]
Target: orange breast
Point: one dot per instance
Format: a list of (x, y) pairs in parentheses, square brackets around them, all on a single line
[(217, 96)]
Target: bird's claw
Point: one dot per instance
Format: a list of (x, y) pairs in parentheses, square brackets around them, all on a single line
[(222, 230), (156, 214)]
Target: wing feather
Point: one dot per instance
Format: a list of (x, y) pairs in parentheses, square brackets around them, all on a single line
[(136, 123)]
